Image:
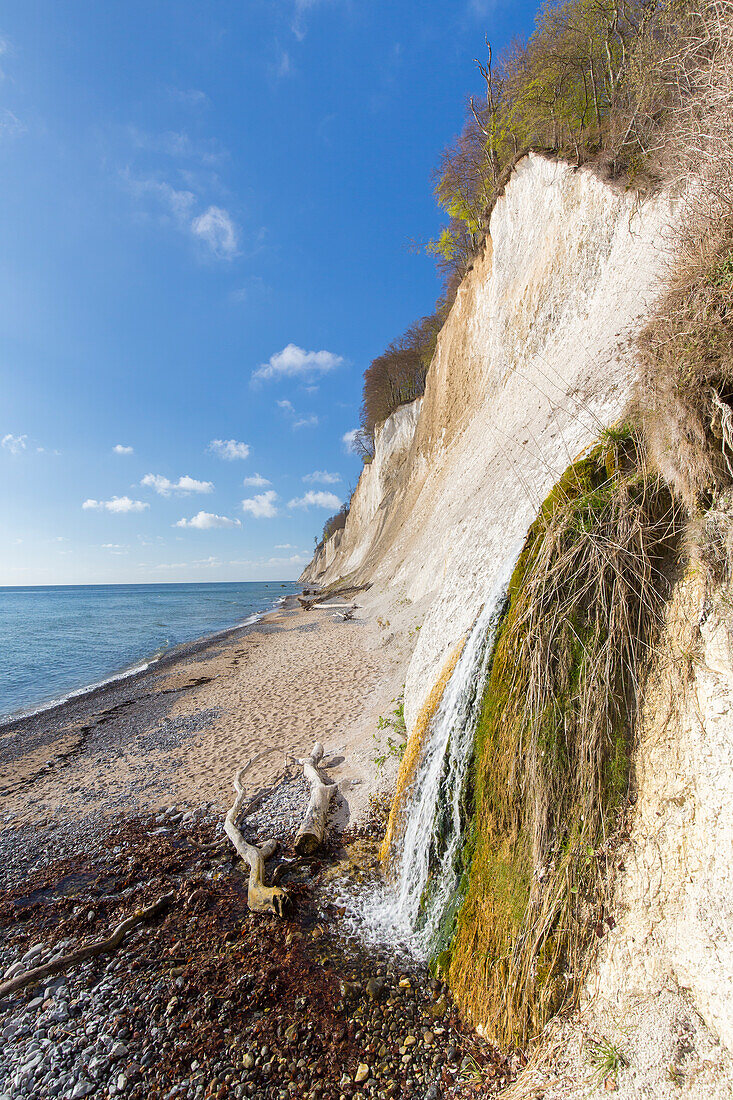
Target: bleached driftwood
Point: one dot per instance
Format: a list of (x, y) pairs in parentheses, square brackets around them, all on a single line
[(97, 947), (313, 829), (260, 898)]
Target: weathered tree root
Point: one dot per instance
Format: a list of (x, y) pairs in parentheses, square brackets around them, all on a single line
[(98, 947), (260, 898), (313, 828)]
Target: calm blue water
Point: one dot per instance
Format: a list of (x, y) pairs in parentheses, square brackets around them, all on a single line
[(55, 640)]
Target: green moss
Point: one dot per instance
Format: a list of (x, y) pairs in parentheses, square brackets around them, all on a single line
[(554, 737)]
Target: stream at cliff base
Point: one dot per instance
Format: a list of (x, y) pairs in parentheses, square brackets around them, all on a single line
[(410, 909)]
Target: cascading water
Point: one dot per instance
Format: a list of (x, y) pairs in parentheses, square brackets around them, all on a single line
[(409, 911)]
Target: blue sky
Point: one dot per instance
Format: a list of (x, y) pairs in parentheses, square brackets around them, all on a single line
[(208, 211)]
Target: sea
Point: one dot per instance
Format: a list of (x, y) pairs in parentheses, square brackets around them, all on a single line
[(57, 641)]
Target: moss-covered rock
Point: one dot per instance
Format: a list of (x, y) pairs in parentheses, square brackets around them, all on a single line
[(553, 743)]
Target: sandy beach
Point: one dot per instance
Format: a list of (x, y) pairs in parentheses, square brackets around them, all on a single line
[(175, 734)]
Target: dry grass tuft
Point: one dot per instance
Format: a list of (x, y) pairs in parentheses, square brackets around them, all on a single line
[(685, 394), (554, 740)]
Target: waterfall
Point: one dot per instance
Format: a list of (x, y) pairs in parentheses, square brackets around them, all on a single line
[(408, 911)]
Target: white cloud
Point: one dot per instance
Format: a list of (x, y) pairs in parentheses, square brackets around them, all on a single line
[(216, 229), (184, 484), (204, 521), (293, 361), (306, 422), (298, 24), (113, 546), (116, 504), (14, 443), (285, 546), (287, 406), (257, 481), (322, 477), (316, 499), (122, 449), (349, 441), (284, 66), (229, 449), (261, 506)]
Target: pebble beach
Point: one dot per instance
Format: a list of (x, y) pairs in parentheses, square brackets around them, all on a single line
[(117, 797)]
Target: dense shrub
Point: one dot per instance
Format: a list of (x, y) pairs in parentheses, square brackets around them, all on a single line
[(335, 523), (594, 82), (397, 376)]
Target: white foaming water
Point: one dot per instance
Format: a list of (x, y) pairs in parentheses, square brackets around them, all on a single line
[(408, 911)]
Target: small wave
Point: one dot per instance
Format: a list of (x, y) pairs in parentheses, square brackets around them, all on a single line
[(51, 703)]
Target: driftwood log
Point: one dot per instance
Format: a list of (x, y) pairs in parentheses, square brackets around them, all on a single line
[(97, 947), (260, 897), (313, 829)]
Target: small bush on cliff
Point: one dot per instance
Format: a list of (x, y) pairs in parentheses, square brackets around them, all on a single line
[(335, 523), (554, 740), (397, 376)]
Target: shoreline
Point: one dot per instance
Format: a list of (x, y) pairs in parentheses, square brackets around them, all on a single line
[(175, 732), (173, 653)]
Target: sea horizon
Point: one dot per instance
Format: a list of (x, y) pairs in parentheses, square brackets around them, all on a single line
[(59, 643)]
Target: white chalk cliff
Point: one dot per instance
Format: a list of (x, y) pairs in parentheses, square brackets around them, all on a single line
[(532, 364), (529, 368)]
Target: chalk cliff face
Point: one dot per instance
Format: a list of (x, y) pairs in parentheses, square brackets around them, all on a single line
[(675, 900), (529, 368)]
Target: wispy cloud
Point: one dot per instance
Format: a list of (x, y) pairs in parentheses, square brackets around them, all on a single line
[(14, 443), (122, 449), (294, 361), (179, 145), (10, 124), (481, 8), (189, 97), (184, 484), (261, 506), (213, 227), (298, 24), (216, 229), (294, 559), (203, 563), (306, 422), (230, 449), (205, 521), (116, 504), (321, 477), (316, 499), (256, 482), (284, 65), (285, 546)]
